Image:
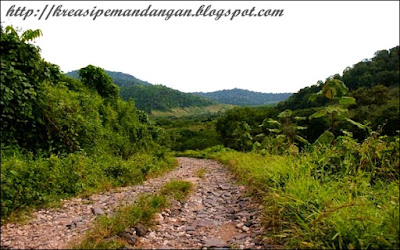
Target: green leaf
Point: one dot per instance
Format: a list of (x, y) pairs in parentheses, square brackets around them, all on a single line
[(318, 114), (314, 96), (280, 138), (260, 135), (285, 114), (359, 125), (300, 118), (347, 100), (274, 130), (337, 109), (347, 133), (256, 145), (273, 122), (334, 88), (301, 139), (325, 138)]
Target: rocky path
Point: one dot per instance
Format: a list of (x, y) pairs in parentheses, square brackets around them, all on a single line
[(217, 214)]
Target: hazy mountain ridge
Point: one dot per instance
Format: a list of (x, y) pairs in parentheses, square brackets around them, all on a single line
[(244, 97)]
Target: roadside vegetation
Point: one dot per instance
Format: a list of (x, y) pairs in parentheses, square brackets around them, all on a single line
[(328, 170), (61, 137)]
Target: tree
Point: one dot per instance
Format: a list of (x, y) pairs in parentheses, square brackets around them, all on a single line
[(96, 78), (23, 72)]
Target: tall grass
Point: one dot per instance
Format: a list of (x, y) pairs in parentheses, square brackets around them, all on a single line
[(304, 211), (28, 181), (338, 196)]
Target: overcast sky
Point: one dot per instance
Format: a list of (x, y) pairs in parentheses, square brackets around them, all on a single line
[(310, 42)]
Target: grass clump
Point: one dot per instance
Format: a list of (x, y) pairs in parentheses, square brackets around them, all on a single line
[(177, 189), (201, 172), (107, 231)]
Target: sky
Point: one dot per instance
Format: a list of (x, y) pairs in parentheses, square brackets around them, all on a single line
[(309, 42)]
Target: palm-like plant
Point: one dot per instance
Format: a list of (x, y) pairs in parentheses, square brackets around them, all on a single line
[(283, 133), (244, 140)]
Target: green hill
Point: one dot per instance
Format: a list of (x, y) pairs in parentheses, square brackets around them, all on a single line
[(161, 98), (244, 97), (119, 78), (150, 97)]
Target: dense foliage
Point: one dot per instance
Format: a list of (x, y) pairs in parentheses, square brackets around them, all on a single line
[(330, 106), (22, 75), (244, 97), (230, 121), (96, 79), (190, 132), (382, 69), (61, 136), (159, 97)]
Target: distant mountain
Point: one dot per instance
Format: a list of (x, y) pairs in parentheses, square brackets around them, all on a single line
[(244, 97), (149, 97), (119, 78), (161, 98)]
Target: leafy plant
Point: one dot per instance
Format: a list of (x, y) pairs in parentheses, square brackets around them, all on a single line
[(22, 73), (242, 135), (335, 91), (282, 134)]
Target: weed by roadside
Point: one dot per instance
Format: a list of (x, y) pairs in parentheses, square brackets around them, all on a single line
[(201, 172)]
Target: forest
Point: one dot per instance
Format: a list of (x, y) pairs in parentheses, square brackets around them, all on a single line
[(161, 98), (324, 163), (243, 97)]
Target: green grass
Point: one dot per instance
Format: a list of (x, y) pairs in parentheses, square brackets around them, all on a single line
[(305, 211), (34, 182), (201, 172), (342, 196), (107, 230), (177, 189), (195, 110)]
